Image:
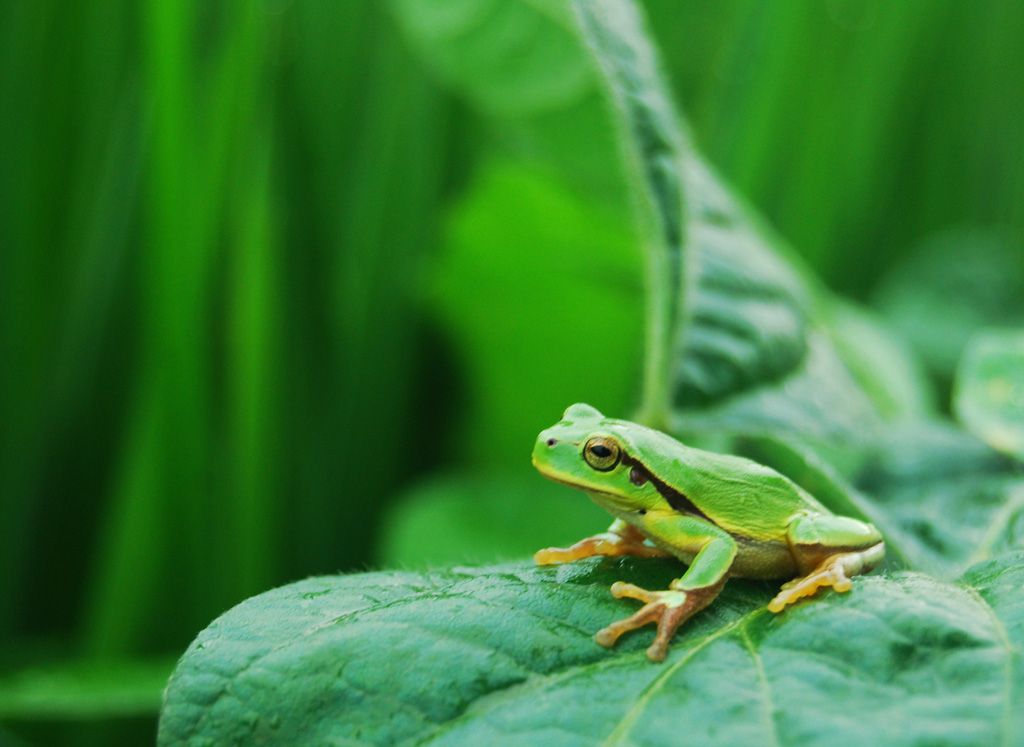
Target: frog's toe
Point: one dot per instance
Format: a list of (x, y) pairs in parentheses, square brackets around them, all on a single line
[(550, 555), (783, 598), (670, 620), (621, 589), (829, 574), (646, 614), (586, 548), (669, 609)]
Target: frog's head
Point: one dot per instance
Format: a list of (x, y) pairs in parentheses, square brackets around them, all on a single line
[(601, 456)]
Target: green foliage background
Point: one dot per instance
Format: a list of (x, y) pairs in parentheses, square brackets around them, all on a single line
[(273, 274)]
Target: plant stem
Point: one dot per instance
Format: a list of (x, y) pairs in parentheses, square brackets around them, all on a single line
[(654, 145)]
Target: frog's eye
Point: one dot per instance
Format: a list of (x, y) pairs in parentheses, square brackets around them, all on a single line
[(602, 453)]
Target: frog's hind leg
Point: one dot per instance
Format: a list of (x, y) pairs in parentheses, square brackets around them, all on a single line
[(828, 550)]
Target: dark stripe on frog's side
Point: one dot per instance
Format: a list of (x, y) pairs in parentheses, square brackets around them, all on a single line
[(758, 559), (673, 497)]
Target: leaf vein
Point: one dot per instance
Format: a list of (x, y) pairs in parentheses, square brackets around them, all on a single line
[(621, 732), (764, 686), (1011, 654)]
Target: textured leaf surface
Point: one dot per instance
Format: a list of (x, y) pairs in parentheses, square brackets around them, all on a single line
[(951, 498), (504, 654), (989, 395)]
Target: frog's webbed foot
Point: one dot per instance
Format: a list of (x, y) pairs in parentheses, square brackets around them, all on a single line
[(834, 571), (618, 540), (669, 609)]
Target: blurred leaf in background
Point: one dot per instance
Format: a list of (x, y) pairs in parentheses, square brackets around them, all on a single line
[(266, 267), (989, 394), (954, 283), (541, 293)]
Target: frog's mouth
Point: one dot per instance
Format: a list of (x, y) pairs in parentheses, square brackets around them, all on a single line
[(596, 493)]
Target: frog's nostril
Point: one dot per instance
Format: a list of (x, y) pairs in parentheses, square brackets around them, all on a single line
[(552, 442)]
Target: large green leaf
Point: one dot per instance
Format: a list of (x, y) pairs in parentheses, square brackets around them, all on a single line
[(504, 654), (720, 302), (748, 319)]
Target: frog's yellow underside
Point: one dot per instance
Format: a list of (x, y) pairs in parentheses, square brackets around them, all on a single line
[(722, 515)]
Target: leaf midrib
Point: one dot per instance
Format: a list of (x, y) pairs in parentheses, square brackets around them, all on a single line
[(1011, 654), (620, 733)]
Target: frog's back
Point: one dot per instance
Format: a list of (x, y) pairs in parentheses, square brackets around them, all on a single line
[(739, 495), (744, 496)]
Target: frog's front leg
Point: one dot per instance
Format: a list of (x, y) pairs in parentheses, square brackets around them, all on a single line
[(828, 550), (621, 538), (686, 596)]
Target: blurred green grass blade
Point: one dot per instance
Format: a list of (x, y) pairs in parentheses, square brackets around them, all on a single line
[(23, 277), (129, 588), (84, 690), (176, 311), (324, 74), (772, 31), (169, 476), (234, 207), (382, 173), (80, 255), (860, 127), (253, 378), (83, 358), (389, 225)]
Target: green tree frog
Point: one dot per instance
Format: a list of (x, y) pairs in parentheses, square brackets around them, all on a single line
[(722, 515)]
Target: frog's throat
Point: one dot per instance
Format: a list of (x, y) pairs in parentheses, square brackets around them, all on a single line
[(604, 498)]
